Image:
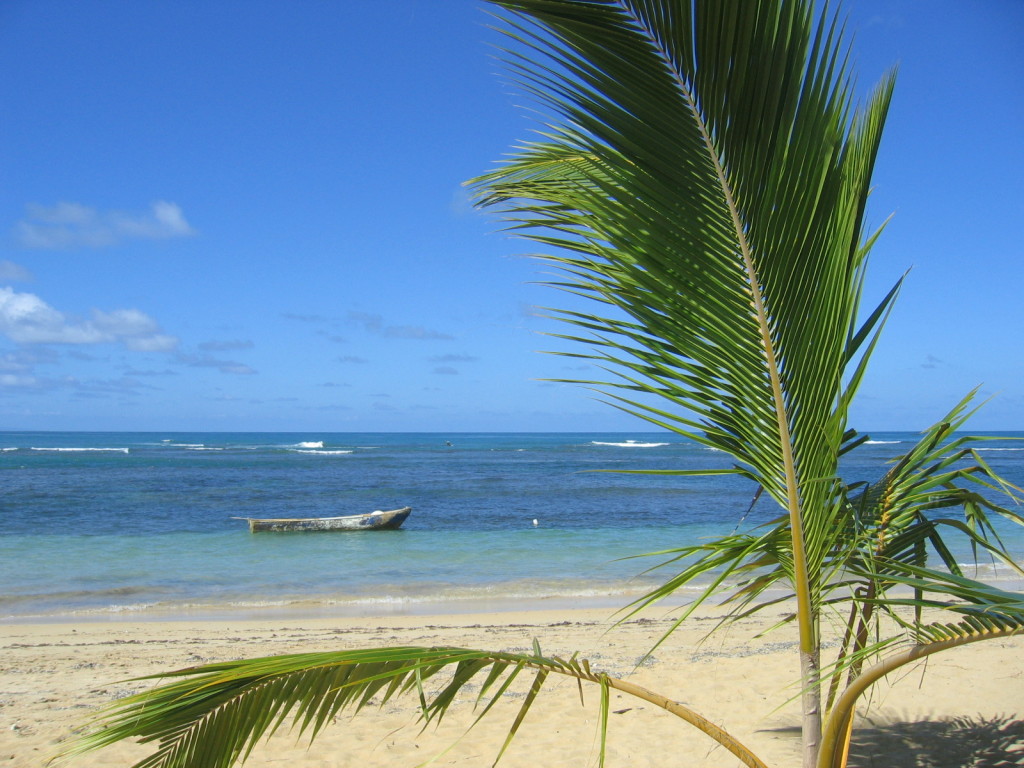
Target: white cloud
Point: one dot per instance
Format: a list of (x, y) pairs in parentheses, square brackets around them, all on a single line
[(303, 318), (25, 360), (13, 273), (73, 225), (27, 319), (373, 323), (15, 381), (124, 322), (462, 202), (157, 342), (226, 346), (224, 366)]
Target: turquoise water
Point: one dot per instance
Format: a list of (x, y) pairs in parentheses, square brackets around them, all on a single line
[(108, 525)]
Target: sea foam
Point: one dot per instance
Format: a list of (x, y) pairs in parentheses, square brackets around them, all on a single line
[(631, 444), (75, 450)]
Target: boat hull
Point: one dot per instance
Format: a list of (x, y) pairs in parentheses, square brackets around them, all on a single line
[(374, 521)]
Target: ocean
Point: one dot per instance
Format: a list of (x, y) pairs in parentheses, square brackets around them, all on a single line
[(109, 526)]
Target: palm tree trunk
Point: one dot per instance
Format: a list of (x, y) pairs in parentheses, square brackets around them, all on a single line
[(810, 676)]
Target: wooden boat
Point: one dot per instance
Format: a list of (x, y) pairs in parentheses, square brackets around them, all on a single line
[(373, 521)]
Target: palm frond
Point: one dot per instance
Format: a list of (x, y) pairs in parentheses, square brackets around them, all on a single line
[(930, 588), (987, 624), (212, 716), (894, 519), (703, 176)]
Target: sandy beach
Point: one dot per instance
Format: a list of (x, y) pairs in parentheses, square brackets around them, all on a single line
[(961, 708)]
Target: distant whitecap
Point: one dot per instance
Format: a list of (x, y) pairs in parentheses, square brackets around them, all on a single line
[(311, 444), (630, 444), (75, 450)]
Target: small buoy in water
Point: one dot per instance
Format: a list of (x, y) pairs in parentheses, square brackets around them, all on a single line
[(535, 522)]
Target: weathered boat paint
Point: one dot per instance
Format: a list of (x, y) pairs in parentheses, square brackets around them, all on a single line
[(373, 521)]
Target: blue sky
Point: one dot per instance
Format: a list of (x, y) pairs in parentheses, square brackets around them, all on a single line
[(249, 216)]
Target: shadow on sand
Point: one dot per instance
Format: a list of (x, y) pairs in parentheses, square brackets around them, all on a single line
[(962, 742)]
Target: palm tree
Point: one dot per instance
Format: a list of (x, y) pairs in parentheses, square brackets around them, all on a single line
[(702, 178)]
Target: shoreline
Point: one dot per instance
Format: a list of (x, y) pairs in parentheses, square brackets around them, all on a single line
[(599, 596), (54, 675), (316, 611)]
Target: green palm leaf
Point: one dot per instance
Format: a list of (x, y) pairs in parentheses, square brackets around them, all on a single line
[(701, 181), (212, 716), (737, 300), (986, 613)]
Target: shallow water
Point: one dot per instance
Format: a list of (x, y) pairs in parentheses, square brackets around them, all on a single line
[(115, 524)]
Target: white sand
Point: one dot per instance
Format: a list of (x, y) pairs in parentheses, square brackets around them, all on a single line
[(946, 712)]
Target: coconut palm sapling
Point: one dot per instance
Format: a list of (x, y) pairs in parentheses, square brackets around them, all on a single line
[(703, 177), (708, 185)]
